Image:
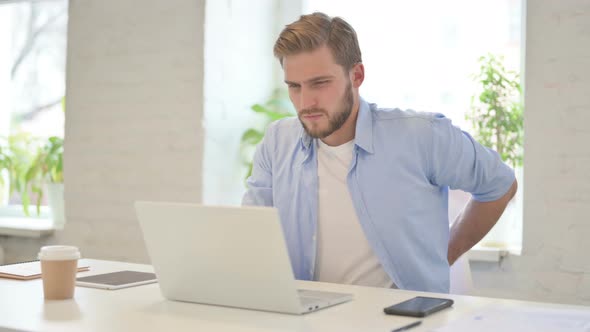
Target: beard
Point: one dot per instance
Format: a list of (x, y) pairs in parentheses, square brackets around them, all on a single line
[(335, 121)]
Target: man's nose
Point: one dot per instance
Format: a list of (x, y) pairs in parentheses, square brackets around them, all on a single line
[(307, 99)]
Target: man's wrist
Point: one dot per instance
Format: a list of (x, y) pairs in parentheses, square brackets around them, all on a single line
[(454, 252)]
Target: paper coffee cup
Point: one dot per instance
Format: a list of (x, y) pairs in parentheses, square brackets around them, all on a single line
[(59, 265)]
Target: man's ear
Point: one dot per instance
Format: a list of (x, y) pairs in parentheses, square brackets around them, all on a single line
[(357, 75)]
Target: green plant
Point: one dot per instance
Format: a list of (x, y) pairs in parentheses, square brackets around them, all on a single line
[(31, 163), (497, 111), (278, 106), (5, 162), (21, 149), (49, 160), (4, 158), (46, 166)]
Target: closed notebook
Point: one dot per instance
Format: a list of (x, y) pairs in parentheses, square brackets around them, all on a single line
[(29, 270)]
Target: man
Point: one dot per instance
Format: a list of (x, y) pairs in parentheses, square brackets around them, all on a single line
[(362, 192)]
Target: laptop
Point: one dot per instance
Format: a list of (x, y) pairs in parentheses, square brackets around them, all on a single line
[(227, 256)]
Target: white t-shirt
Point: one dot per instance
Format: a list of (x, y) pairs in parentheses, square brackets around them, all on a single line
[(344, 255)]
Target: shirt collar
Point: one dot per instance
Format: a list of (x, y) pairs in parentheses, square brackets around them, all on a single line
[(363, 132), (305, 139), (363, 136)]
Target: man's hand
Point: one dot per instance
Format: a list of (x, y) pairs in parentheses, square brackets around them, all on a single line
[(474, 222)]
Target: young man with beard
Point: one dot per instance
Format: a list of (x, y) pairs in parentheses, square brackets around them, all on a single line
[(362, 191)]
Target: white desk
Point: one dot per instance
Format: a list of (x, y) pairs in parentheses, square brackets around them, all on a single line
[(144, 309)]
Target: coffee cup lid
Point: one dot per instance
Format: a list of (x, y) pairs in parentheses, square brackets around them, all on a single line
[(58, 253)]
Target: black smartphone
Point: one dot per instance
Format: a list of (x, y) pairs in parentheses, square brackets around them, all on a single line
[(420, 306)]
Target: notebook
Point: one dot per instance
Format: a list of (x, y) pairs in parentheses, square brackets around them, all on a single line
[(29, 270)]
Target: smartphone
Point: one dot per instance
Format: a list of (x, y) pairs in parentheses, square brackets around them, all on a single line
[(420, 306)]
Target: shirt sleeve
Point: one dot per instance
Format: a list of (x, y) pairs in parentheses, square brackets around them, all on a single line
[(260, 182), (460, 162)]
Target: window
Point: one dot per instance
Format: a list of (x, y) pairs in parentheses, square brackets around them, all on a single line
[(422, 55), (32, 76)]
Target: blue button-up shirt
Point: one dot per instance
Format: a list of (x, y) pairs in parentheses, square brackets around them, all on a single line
[(402, 166)]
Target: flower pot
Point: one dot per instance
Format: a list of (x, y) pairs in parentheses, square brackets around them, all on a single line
[(55, 198)]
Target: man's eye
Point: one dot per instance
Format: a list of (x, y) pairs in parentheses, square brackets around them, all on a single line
[(320, 83)]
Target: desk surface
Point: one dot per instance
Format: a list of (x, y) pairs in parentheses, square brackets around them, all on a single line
[(143, 308)]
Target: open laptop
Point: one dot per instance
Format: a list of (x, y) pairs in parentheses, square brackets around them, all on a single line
[(229, 256)]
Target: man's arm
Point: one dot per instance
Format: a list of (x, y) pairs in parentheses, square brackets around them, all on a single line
[(260, 182), (474, 222)]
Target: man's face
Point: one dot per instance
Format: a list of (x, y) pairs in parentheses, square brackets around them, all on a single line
[(320, 90)]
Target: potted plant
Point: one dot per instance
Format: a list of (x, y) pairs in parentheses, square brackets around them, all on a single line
[(278, 106), (49, 165), (34, 165), (497, 118), (496, 111), (46, 171), (4, 168), (20, 152)]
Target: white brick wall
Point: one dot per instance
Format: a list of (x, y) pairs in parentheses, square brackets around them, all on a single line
[(134, 118), (555, 265)]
